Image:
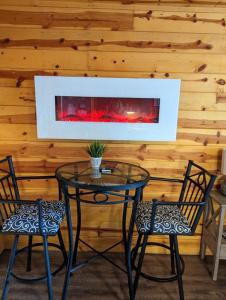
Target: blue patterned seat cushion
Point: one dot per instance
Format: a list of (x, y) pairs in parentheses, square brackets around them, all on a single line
[(168, 219), (25, 219)]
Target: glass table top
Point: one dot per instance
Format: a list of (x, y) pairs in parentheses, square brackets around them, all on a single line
[(111, 174)]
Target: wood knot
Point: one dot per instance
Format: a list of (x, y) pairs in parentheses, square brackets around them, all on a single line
[(209, 46), (205, 143), (202, 67), (6, 41), (19, 81), (148, 15), (221, 81), (194, 18)]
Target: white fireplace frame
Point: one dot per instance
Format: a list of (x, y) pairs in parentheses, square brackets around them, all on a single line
[(47, 87)]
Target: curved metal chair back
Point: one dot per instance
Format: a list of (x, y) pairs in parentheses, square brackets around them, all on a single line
[(195, 191)]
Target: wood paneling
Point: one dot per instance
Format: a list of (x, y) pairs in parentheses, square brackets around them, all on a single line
[(168, 21), (156, 62), (139, 39)]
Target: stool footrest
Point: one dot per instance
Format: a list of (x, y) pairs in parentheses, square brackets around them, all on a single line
[(40, 278), (167, 278)]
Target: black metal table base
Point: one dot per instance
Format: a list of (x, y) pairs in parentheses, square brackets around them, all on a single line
[(73, 265), (98, 254), (123, 184), (40, 278)]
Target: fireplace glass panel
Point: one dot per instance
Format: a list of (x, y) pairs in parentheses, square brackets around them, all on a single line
[(107, 109)]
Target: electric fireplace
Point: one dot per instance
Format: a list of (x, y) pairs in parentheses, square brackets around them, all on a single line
[(106, 108)]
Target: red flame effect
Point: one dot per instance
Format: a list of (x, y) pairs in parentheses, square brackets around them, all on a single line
[(101, 116), (139, 112)]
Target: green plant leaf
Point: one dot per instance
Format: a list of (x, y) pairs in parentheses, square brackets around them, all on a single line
[(96, 149)]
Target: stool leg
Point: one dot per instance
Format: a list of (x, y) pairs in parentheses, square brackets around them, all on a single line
[(48, 270), (9, 268), (62, 246), (178, 267), (140, 262), (136, 248), (29, 254), (172, 255)]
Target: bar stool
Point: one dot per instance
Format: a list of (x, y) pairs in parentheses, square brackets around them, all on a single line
[(31, 218), (172, 219)]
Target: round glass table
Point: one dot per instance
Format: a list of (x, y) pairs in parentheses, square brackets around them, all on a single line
[(112, 175), (113, 183)]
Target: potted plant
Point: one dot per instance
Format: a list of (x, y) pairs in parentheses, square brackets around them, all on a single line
[(95, 151)]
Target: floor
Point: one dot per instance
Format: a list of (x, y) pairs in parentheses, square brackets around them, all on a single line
[(100, 280)]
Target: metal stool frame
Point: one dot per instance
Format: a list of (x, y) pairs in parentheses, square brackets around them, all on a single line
[(196, 187), (9, 201)]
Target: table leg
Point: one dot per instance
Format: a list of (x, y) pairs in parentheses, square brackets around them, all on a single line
[(129, 244), (78, 228), (70, 252), (124, 235)]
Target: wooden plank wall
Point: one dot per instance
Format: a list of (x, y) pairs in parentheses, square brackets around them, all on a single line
[(127, 38)]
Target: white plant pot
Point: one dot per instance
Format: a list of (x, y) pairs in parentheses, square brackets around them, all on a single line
[(95, 173), (95, 162)]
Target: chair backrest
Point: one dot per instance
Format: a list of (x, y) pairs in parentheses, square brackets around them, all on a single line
[(195, 191), (8, 188)]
